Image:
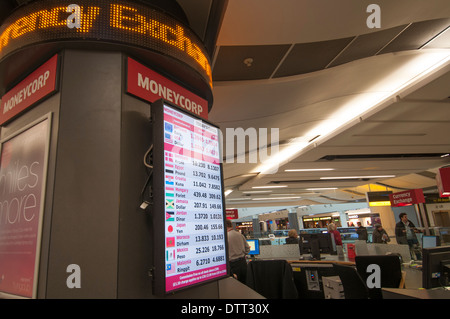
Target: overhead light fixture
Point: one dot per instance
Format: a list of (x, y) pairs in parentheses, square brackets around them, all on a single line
[(272, 198), (228, 192), (321, 189), (445, 155), (256, 192), (404, 77), (277, 186), (358, 177), (309, 170)]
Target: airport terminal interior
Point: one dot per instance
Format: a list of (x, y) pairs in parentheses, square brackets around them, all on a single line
[(131, 131)]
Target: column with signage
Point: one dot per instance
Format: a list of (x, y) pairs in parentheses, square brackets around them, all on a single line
[(92, 69)]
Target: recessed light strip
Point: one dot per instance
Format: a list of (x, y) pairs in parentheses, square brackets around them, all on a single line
[(272, 198), (358, 177), (277, 186), (405, 77), (309, 170)]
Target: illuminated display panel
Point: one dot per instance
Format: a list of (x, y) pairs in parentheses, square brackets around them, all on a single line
[(103, 20), (190, 200)]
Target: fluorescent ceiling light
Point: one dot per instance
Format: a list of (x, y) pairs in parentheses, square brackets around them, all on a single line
[(278, 186), (309, 170), (357, 177), (272, 198), (228, 192), (256, 192), (400, 79), (321, 189)]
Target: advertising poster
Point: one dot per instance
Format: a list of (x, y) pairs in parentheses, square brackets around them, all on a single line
[(23, 164)]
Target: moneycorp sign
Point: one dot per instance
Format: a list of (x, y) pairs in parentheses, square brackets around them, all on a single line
[(118, 21)]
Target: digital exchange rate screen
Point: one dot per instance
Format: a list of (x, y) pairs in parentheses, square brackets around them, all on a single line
[(195, 249)]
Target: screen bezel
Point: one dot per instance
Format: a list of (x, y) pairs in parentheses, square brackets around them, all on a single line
[(159, 246)]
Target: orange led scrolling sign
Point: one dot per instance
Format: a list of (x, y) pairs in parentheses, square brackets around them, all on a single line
[(116, 21)]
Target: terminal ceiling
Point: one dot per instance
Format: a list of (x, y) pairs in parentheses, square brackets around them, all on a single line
[(308, 61), (296, 65)]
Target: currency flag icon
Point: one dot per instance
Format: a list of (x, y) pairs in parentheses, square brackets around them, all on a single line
[(170, 268), (170, 254), (168, 157), (168, 127), (170, 195), (170, 204), (170, 217), (170, 242)]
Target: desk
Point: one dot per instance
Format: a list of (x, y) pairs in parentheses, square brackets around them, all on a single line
[(396, 293), (319, 262), (230, 288), (308, 275)]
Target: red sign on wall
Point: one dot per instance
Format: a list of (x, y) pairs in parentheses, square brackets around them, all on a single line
[(232, 214), (443, 181), (151, 86), (413, 196), (27, 93)]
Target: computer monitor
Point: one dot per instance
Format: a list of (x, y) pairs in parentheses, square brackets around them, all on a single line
[(435, 267), (254, 246), (430, 241), (315, 244)]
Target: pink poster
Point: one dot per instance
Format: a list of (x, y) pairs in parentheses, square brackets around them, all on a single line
[(23, 164)]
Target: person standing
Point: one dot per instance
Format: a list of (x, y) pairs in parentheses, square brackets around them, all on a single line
[(379, 235), (237, 249), (335, 233), (362, 232), (405, 233), (293, 237)]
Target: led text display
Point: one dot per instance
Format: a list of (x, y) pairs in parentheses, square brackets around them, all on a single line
[(112, 21)]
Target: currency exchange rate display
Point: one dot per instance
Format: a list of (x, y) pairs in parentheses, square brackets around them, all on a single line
[(193, 208)]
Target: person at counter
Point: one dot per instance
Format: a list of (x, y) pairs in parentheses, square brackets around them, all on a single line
[(379, 235), (292, 237), (335, 233), (405, 233), (362, 232), (237, 249)]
